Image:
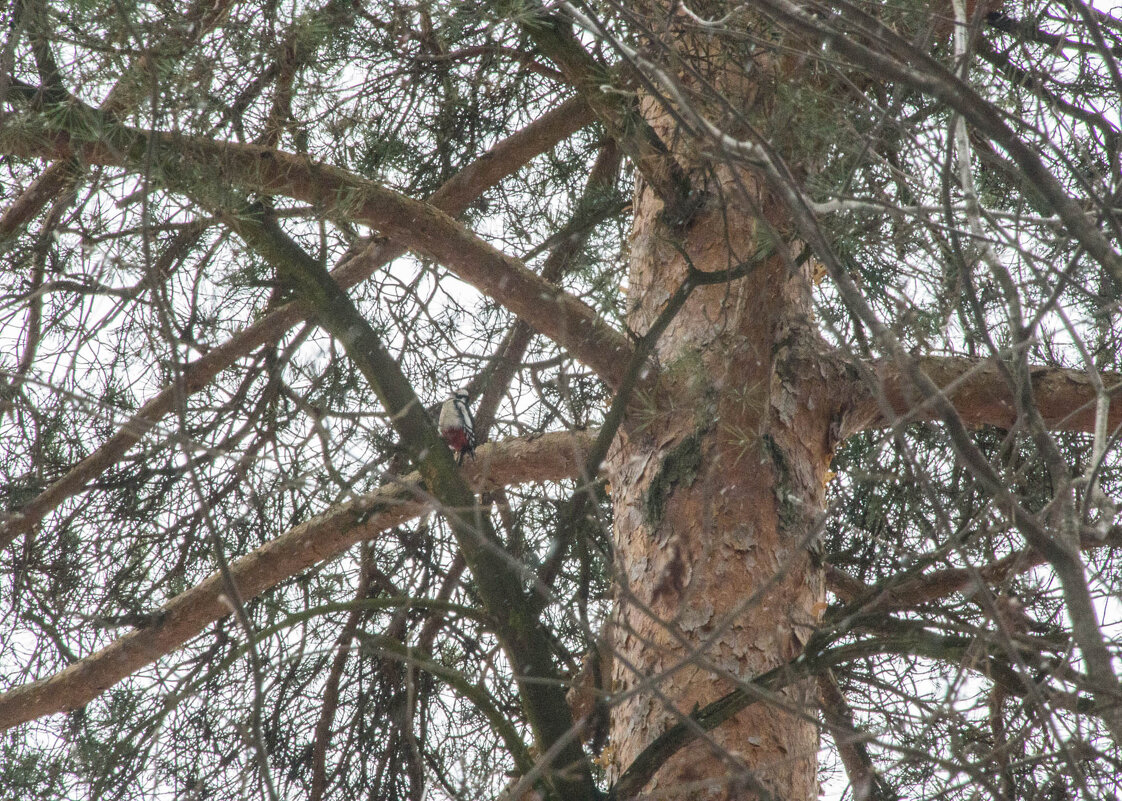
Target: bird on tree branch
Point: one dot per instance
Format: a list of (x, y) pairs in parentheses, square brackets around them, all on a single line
[(457, 426)]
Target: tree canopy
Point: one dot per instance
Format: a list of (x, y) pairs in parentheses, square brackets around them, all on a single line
[(249, 246)]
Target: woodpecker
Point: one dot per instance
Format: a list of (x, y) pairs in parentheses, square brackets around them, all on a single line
[(457, 426)]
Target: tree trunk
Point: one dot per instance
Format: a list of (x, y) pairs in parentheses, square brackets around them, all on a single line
[(717, 484)]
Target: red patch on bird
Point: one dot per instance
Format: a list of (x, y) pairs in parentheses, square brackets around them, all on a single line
[(456, 438)]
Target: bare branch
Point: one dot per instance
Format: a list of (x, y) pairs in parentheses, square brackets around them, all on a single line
[(1065, 397), (209, 169)]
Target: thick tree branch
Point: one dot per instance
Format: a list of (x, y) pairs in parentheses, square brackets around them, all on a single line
[(1055, 543), (453, 198), (551, 457), (866, 783), (498, 579), (219, 173), (981, 396)]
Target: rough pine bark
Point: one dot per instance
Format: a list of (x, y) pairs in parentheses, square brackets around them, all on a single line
[(717, 483)]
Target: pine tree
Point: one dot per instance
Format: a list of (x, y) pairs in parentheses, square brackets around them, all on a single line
[(791, 331)]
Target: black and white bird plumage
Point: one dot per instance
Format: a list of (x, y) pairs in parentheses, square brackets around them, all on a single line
[(457, 426)]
